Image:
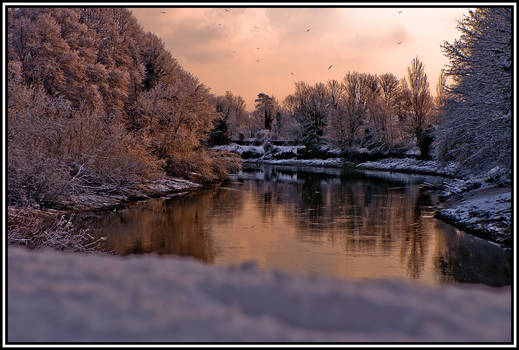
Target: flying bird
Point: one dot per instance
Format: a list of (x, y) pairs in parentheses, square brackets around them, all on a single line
[(257, 60), (163, 12), (291, 73), (399, 11), (257, 48), (308, 30), (226, 10), (399, 42), (330, 67)]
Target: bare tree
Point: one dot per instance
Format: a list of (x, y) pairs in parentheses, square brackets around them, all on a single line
[(420, 106)]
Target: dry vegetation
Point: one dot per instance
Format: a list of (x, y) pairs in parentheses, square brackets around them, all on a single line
[(95, 103), (38, 229)]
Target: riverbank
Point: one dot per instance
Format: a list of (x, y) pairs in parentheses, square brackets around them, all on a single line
[(56, 227), (63, 297), (485, 212)]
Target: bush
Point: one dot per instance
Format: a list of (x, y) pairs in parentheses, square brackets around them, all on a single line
[(35, 229)]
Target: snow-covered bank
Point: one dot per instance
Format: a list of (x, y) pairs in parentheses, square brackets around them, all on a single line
[(283, 155), (411, 165), (480, 205), (241, 149), (331, 162), (110, 198), (485, 212), (57, 297), (35, 227)]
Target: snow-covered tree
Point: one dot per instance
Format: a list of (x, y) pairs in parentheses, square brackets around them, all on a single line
[(476, 129), (310, 106), (231, 115), (96, 101)]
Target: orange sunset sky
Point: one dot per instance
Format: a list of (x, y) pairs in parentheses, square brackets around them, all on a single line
[(252, 50)]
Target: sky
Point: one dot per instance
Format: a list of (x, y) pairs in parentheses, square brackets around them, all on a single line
[(252, 50)]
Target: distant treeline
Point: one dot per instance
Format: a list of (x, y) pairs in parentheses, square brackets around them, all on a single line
[(468, 121)]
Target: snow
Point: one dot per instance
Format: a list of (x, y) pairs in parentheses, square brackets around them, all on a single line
[(233, 147), (411, 165), (480, 204), (60, 297), (269, 156), (331, 162), (487, 210), (154, 188)]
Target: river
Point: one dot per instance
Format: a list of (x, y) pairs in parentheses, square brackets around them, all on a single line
[(333, 223)]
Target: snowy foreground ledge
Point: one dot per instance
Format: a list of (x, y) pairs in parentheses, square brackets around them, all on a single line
[(57, 297)]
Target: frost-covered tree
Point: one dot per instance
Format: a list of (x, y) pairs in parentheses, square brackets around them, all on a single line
[(231, 115), (337, 122), (310, 106), (417, 106), (476, 126), (390, 89), (359, 90), (97, 102)]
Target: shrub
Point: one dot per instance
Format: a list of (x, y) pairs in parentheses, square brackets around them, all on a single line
[(36, 229)]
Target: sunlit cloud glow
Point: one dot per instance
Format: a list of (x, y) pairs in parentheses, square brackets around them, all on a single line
[(252, 50)]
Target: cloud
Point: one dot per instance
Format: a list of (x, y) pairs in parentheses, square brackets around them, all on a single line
[(220, 47)]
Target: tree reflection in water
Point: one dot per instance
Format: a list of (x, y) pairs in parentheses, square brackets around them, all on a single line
[(176, 226), (329, 221)]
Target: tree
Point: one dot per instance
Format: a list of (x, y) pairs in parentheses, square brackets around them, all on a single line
[(419, 105), (310, 106), (476, 126), (359, 89), (265, 106), (390, 90), (96, 102), (231, 113)]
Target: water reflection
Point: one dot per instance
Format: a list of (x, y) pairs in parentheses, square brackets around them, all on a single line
[(328, 222)]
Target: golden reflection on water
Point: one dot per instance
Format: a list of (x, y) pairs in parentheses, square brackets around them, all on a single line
[(348, 226)]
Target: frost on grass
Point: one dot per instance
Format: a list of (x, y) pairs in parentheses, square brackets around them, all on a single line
[(36, 229), (57, 297)]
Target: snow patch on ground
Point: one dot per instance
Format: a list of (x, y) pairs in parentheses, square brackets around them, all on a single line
[(331, 162), (411, 165), (240, 149), (271, 154), (108, 199), (58, 297)]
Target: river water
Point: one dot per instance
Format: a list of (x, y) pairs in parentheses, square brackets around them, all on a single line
[(311, 221)]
